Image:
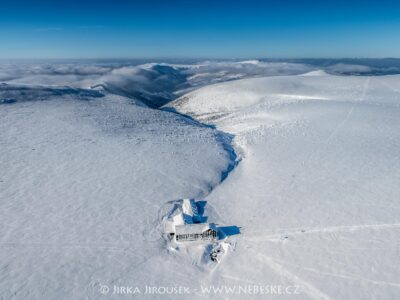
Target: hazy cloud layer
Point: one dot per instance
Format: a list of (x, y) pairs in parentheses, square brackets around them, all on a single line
[(158, 83)]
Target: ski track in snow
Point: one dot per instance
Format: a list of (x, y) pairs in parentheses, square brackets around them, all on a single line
[(347, 117), (325, 143), (340, 274), (224, 119), (307, 287), (280, 267), (301, 231)]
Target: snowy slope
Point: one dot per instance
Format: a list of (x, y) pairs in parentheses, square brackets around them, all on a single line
[(152, 83), (84, 177), (317, 191)]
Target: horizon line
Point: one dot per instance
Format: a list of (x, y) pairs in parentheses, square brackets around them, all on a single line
[(199, 58)]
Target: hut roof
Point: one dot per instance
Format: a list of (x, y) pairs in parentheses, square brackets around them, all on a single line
[(194, 228)]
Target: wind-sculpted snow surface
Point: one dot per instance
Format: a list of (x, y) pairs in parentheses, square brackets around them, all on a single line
[(88, 170), (82, 181), (317, 190)]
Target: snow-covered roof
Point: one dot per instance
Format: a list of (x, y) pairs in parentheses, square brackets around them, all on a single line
[(194, 228), (169, 227), (189, 207)]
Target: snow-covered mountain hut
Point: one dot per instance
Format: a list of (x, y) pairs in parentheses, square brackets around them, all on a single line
[(196, 232)]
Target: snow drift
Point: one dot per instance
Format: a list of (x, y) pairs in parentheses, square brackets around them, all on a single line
[(317, 186), (88, 170), (84, 176)]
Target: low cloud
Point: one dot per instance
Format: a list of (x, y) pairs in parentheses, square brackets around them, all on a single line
[(349, 69), (158, 83)]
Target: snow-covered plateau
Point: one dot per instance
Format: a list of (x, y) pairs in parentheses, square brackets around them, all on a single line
[(305, 163), (84, 181), (318, 187)]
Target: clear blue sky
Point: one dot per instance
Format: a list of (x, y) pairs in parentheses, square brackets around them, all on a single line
[(199, 28)]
